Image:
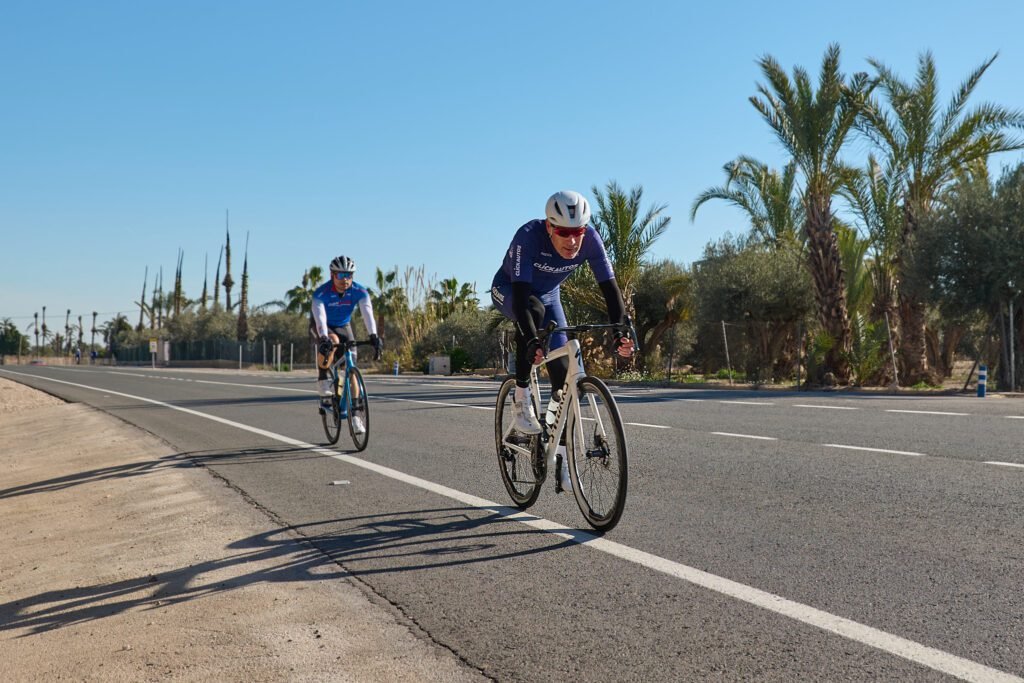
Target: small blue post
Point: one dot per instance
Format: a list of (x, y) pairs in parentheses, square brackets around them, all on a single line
[(982, 377), (396, 367)]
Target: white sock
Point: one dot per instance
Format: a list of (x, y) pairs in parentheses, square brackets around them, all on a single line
[(521, 393)]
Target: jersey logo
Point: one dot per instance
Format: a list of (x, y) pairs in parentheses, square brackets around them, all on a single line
[(551, 269)]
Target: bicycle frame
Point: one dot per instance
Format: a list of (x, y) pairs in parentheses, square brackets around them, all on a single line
[(568, 405), (350, 362)]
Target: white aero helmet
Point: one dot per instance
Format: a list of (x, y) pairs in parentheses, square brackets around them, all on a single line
[(342, 264), (568, 209)]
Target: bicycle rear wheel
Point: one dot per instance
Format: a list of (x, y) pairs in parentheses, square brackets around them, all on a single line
[(358, 408), (332, 416), (598, 466), (520, 457)]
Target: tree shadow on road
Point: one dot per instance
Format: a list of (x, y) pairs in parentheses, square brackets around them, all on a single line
[(141, 468)]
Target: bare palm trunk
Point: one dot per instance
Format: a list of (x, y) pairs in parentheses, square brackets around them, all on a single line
[(829, 287)]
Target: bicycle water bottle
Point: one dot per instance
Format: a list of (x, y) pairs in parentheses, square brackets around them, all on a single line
[(552, 411)]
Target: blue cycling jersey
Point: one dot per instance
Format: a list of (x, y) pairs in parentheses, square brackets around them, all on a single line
[(532, 258), (331, 309)]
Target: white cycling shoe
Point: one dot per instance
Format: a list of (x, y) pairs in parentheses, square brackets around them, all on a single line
[(357, 425), (525, 420)]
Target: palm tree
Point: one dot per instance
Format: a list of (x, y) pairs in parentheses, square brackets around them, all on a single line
[(300, 297), (875, 197), (766, 196), (627, 235), (450, 296), (813, 127), (389, 298), (933, 149)]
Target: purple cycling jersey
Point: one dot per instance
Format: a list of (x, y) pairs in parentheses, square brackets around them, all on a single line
[(532, 258)]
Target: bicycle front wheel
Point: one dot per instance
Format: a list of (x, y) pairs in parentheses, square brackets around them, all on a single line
[(598, 466), (358, 411), (332, 416), (520, 458)]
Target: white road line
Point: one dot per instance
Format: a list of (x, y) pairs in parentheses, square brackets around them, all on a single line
[(748, 403), (747, 436), (930, 657), (1004, 464), (432, 403), (872, 450), (808, 405), (643, 424), (924, 412), (1015, 417)]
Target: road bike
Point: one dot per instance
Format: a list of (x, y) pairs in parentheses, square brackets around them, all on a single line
[(586, 422), (345, 404)]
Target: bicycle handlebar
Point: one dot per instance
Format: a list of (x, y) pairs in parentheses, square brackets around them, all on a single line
[(544, 334)]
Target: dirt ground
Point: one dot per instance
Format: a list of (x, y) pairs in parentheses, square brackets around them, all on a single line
[(121, 562)]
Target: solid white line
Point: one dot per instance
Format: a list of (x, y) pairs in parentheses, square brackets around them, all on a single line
[(873, 450), (1015, 417), (748, 403), (807, 405), (747, 436), (924, 412), (642, 424), (1004, 464), (847, 628)]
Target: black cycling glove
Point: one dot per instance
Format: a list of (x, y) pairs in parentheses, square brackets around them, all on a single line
[(378, 345), (325, 346), (532, 347)]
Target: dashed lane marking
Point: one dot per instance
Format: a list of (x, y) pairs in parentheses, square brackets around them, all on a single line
[(871, 450), (746, 436)]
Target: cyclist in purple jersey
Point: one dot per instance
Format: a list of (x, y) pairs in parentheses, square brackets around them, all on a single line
[(543, 253), (330, 318)]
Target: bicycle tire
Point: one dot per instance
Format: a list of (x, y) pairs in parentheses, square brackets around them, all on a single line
[(598, 463), (359, 407), (522, 474), (332, 417)]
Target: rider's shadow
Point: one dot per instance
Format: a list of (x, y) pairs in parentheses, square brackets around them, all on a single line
[(360, 546)]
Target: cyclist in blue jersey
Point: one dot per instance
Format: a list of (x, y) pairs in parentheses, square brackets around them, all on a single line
[(331, 316), (543, 253)]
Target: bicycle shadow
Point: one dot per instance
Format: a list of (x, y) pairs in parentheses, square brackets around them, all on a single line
[(415, 540)]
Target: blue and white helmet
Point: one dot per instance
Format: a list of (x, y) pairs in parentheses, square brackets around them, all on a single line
[(568, 209)]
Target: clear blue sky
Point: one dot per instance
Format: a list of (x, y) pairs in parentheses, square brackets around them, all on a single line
[(400, 133)]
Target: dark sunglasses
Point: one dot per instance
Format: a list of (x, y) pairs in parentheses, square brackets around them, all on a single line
[(569, 232), (343, 276)]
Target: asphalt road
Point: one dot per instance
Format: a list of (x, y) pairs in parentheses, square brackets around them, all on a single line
[(768, 536)]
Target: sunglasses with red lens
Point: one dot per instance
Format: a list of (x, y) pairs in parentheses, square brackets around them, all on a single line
[(569, 232), (346, 275)]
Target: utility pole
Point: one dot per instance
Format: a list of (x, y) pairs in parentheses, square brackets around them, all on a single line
[(67, 333)]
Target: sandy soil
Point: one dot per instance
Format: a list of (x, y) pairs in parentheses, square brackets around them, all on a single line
[(123, 562)]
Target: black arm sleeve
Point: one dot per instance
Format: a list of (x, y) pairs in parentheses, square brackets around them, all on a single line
[(613, 299), (521, 309)]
